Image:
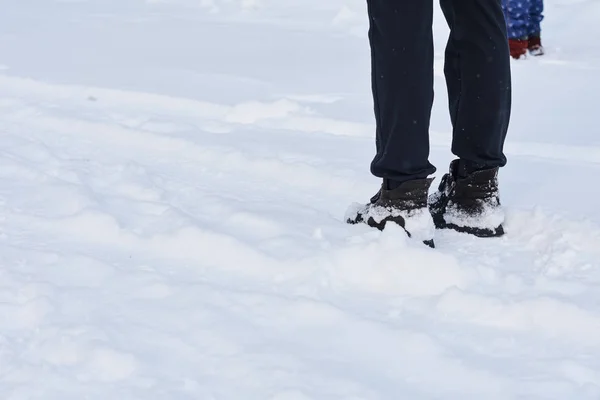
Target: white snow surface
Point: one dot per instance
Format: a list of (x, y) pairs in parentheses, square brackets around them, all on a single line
[(173, 180)]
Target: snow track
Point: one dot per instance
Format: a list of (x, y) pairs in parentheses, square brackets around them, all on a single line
[(157, 246)]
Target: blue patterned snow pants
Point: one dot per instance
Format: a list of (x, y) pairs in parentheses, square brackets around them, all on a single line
[(523, 17)]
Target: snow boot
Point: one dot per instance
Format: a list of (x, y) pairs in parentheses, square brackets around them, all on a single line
[(517, 47), (468, 202), (534, 45), (406, 206)]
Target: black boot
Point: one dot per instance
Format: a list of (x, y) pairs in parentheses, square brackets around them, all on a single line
[(468, 202), (405, 206)]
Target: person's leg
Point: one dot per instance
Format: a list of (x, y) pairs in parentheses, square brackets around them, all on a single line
[(479, 81), (401, 42), (517, 18), (536, 15), (534, 42), (479, 89), (400, 34)]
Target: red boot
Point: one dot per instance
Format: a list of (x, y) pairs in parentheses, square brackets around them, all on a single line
[(534, 45), (518, 47)]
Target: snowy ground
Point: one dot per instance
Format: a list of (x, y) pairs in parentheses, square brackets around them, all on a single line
[(173, 180)]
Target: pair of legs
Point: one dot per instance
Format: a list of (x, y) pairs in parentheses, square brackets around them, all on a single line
[(477, 70), (523, 18)]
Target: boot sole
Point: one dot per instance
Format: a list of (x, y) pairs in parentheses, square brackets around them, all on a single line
[(478, 232)]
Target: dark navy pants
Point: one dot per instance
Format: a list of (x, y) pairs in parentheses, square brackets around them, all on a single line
[(523, 17), (477, 70)]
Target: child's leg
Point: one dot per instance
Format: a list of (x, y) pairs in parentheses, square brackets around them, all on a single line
[(534, 42), (516, 13), (536, 9), (517, 18)]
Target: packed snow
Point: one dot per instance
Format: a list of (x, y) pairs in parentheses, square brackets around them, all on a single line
[(174, 176)]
